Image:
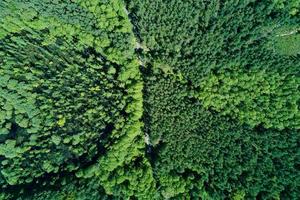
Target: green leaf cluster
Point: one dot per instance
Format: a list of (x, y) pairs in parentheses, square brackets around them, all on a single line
[(255, 97)]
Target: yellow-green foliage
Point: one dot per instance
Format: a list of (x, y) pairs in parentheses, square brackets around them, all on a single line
[(124, 171), (288, 44), (254, 97), (239, 195), (292, 6), (70, 87)]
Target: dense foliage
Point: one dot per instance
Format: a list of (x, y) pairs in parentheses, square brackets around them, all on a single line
[(207, 41), (202, 154), (222, 96), (70, 93), (255, 97), (149, 99)]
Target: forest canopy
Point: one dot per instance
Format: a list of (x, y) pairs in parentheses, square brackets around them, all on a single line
[(149, 99)]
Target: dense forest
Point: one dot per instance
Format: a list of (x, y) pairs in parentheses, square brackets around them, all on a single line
[(149, 99)]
